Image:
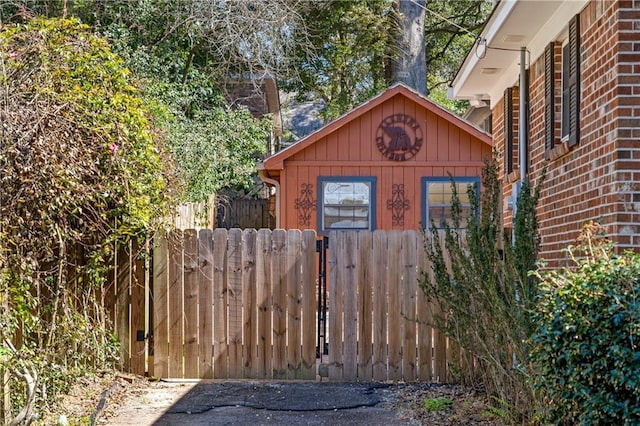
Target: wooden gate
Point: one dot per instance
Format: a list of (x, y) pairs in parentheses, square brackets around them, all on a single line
[(235, 304), (244, 304), (379, 319)]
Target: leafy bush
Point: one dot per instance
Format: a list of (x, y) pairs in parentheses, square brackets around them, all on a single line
[(80, 171), (481, 283), (586, 349)]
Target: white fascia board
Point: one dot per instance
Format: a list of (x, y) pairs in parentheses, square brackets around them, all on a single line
[(554, 27), (504, 9), (551, 30)]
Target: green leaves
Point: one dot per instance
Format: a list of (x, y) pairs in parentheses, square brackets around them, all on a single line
[(481, 285), (80, 170), (585, 349)]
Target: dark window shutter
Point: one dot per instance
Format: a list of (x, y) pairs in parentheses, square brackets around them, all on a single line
[(508, 130), (524, 121), (549, 99), (574, 81)]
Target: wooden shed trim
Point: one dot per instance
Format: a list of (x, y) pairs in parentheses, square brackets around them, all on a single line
[(276, 161)]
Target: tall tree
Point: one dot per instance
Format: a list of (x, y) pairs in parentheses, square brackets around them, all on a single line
[(451, 28), (407, 63), (344, 64), (362, 46)]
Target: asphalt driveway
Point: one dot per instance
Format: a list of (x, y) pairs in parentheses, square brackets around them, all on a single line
[(258, 403)]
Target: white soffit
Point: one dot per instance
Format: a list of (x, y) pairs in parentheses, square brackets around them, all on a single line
[(514, 23)]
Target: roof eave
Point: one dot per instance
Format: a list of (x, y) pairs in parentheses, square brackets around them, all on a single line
[(537, 23), (276, 161)]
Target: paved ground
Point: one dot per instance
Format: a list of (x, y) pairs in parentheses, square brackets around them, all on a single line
[(258, 403)]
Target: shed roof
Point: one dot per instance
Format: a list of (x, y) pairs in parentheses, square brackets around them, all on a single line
[(276, 161)]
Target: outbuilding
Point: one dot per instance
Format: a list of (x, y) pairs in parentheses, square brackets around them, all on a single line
[(387, 164)]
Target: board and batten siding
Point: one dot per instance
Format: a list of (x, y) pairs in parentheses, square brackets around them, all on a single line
[(347, 147), (352, 151)]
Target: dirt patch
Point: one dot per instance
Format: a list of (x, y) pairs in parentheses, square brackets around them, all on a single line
[(95, 397), (467, 406), (111, 398)]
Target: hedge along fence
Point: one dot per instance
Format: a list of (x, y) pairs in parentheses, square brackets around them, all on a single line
[(243, 304)]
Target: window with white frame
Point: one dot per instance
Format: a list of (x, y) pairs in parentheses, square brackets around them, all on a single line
[(346, 203), (437, 200)]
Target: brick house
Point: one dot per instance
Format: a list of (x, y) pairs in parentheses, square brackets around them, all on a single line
[(579, 117)]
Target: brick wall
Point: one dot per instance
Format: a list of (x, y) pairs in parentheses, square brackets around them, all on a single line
[(599, 179)]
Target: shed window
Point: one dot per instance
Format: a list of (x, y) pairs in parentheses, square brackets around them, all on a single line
[(346, 203), (437, 196)]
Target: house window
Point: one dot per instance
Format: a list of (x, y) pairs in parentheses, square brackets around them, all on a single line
[(569, 90), (437, 194), (346, 203)]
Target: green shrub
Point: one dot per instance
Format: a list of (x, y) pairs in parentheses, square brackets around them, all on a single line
[(585, 351), (81, 169), (481, 283)]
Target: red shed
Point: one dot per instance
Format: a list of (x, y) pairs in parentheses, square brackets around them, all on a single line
[(384, 165)]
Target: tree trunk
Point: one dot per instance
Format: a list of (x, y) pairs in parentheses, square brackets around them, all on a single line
[(408, 64)]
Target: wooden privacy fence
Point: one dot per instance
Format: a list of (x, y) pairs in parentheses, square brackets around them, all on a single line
[(243, 304), (244, 214), (235, 304), (378, 316)]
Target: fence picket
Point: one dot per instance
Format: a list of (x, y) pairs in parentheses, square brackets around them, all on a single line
[(137, 326), (263, 303), (250, 315), (409, 323), (176, 299), (220, 342), (279, 283), (308, 288), (234, 278), (379, 280), (190, 273), (440, 340), (122, 321), (335, 307), (205, 303), (394, 290), (425, 343), (365, 306), (349, 253), (160, 308), (294, 303)]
